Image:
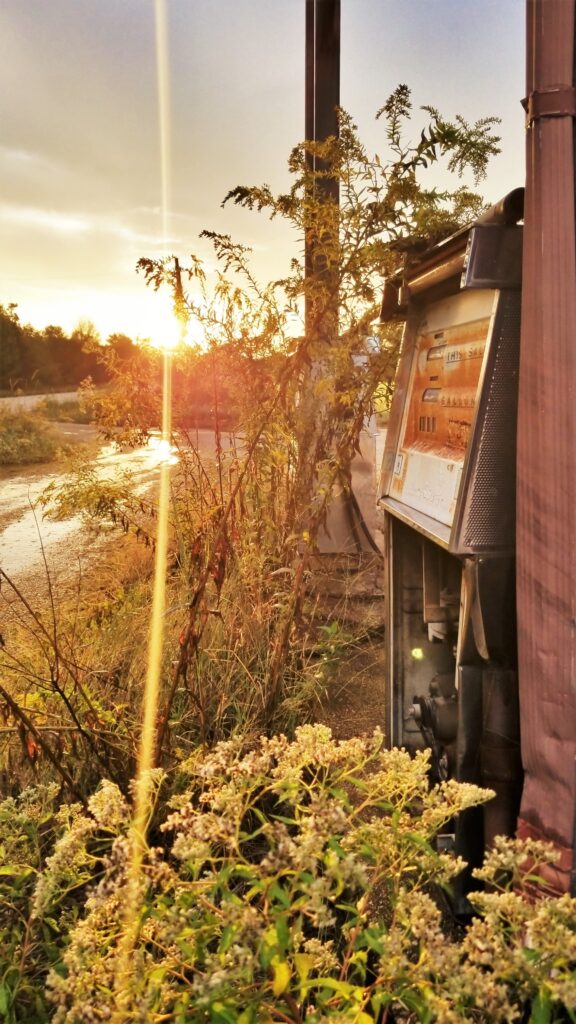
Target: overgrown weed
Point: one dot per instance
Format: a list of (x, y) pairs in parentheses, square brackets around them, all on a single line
[(72, 648), (236, 653)]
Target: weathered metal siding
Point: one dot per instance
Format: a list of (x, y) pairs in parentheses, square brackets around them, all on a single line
[(546, 497)]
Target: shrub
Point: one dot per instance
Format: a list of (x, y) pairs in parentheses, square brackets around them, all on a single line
[(27, 830), (73, 410), (25, 439), (241, 653), (294, 882)]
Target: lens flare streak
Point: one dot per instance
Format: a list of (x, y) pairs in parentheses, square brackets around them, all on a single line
[(144, 785)]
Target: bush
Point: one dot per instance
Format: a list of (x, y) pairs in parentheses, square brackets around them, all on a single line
[(27, 831), (294, 882), (25, 440), (71, 411)]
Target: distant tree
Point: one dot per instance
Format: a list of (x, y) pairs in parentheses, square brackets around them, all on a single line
[(86, 332), (81, 353), (121, 345), (51, 357), (11, 364)]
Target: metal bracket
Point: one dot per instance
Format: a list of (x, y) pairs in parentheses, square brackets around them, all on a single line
[(557, 101)]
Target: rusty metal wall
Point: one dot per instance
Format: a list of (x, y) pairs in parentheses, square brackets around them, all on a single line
[(546, 509)]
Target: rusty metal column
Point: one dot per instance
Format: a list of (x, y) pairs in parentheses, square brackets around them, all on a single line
[(546, 500), (322, 68), (322, 98), (320, 230)]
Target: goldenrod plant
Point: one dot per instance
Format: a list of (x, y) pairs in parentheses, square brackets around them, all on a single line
[(284, 881)]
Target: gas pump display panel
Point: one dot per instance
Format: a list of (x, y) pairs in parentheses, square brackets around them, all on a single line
[(449, 465), (446, 371)]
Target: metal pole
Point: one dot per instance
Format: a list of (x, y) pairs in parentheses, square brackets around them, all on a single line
[(322, 92), (322, 97), (310, 68)]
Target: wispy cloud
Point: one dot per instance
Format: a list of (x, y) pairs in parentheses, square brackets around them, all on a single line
[(51, 220), (59, 222), (14, 155)]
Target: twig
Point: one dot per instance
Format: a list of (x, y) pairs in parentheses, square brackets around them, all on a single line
[(27, 722)]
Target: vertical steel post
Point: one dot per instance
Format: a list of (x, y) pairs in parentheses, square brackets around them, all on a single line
[(322, 92), (322, 97)]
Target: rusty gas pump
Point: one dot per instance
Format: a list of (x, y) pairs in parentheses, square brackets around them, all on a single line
[(447, 493)]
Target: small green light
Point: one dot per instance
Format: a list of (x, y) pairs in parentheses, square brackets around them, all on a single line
[(417, 653)]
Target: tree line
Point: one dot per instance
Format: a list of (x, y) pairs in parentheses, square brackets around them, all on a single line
[(204, 383), (33, 360)]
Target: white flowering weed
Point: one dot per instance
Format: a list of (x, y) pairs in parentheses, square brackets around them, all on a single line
[(292, 882)]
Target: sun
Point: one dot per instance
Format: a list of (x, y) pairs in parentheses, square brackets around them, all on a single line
[(164, 330), (159, 324), (140, 315)]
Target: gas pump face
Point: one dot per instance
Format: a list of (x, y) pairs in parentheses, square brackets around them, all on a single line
[(445, 374), (448, 466), (448, 496)]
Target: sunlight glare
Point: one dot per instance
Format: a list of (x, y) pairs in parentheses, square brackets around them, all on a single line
[(195, 335), (164, 330), (160, 451)]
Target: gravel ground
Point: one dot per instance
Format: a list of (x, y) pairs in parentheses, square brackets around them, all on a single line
[(349, 592)]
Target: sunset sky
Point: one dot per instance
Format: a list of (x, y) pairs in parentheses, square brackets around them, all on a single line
[(80, 190)]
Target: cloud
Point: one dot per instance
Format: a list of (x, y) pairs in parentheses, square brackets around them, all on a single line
[(15, 155), (50, 220)]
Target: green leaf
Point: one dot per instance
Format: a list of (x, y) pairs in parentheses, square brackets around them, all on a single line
[(281, 978), (17, 870), (222, 1013), (303, 963), (342, 988), (157, 975), (541, 1009), (227, 939), (279, 894), (349, 908), (283, 932), (5, 999), (241, 869), (372, 938), (51, 923)]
